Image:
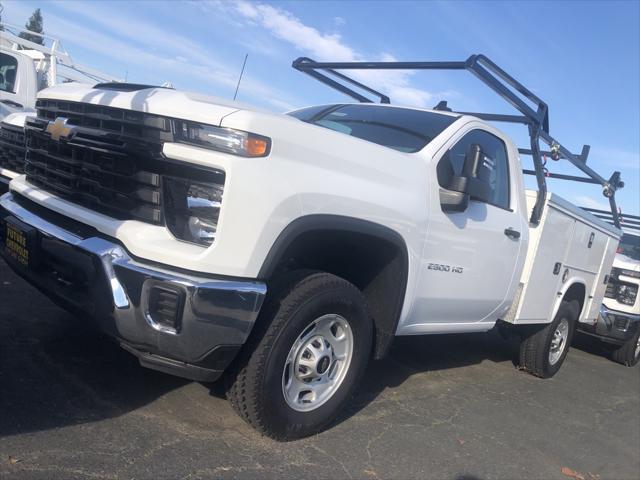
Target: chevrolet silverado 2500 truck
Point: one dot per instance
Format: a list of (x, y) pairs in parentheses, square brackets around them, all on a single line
[(207, 236), (26, 68)]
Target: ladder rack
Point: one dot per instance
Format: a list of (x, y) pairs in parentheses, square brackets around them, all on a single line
[(51, 57), (536, 119)]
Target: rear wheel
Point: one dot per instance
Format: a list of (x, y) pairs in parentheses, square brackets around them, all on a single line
[(305, 360), (629, 353), (544, 349)]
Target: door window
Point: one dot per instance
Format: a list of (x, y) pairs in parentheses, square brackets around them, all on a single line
[(494, 155), (8, 70)]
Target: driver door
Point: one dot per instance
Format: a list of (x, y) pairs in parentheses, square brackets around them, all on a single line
[(470, 257)]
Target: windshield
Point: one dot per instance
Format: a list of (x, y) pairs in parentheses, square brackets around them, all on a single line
[(630, 246), (402, 129)]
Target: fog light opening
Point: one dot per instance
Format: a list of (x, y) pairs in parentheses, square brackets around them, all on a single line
[(164, 311)]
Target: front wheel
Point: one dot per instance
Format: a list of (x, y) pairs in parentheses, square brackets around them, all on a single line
[(629, 353), (306, 358), (543, 349)]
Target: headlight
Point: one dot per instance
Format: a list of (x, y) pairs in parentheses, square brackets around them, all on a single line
[(627, 293), (192, 209), (226, 140)]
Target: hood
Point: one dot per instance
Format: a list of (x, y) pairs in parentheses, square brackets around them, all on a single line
[(157, 100), (8, 110), (18, 119), (626, 263)]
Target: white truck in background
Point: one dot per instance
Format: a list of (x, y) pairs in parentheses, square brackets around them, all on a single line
[(618, 325), (620, 311), (287, 250), (26, 68)]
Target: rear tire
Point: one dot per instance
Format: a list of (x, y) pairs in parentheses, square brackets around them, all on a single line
[(305, 358), (544, 349), (629, 353)]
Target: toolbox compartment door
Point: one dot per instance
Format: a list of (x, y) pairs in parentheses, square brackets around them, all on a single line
[(542, 279), (588, 246)]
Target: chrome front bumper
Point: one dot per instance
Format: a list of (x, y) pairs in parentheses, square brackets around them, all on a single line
[(613, 326), (89, 274)]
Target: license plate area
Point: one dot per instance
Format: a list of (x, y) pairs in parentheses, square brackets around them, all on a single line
[(21, 242)]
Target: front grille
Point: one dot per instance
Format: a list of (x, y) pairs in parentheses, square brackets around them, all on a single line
[(111, 160), (12, 146)]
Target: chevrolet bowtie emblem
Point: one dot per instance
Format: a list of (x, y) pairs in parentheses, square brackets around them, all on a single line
[(59, 129)]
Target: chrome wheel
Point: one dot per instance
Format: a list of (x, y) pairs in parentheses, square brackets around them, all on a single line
[(637, 352), (317, 363), (559, 341)]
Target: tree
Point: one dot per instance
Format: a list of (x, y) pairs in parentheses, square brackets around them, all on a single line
[(34, 25)]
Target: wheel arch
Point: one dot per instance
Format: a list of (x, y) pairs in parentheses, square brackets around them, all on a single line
[(575, 289), (372, 256)]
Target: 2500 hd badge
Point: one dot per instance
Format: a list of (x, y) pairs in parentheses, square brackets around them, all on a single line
[(445, 268)]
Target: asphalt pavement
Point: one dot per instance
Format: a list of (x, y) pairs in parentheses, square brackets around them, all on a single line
[(73, 404)]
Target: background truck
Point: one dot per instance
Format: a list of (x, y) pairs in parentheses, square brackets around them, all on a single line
[(286, 250), (25, 69), (619, 321)]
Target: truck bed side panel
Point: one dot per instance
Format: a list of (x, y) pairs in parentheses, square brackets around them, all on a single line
[(568, 247), (540, 283)]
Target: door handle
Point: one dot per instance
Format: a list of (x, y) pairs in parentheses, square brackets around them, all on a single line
[(511, 233)]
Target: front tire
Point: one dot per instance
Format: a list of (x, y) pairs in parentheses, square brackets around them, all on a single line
[(629, 353), (543, 350), (304, 361)]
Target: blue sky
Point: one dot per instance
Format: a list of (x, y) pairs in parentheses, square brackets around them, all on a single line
[(582, 58)]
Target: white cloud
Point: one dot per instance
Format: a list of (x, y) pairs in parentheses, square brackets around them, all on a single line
[(140, 44), (284, 26), (616, 158), (590, 202), (339, 21), (247, 10)]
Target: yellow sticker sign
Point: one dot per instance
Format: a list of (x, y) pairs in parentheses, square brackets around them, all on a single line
[(16, 245)]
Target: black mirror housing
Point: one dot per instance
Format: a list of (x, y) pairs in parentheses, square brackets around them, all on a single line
[(476, 172), (451, 201)]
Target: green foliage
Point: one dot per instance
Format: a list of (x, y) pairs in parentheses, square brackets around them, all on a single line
[(35, 24)]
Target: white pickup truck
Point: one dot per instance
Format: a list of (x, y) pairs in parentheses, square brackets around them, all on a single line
[(25, 69), (287, 250)]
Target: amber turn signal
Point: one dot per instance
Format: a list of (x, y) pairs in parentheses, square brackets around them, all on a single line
[(257, 146)]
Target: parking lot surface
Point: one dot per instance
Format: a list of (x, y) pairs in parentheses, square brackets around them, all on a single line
[(75, 405)]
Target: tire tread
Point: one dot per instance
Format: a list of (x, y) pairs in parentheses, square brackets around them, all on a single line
[(624, 354), (533, 349), (244, 380)]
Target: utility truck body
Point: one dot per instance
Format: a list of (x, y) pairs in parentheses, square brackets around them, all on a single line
[(286, 250), (569, 249)]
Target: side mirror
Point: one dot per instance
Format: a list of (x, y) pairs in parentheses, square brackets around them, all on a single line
[(473, 181), (476, 173), (451, 201)]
